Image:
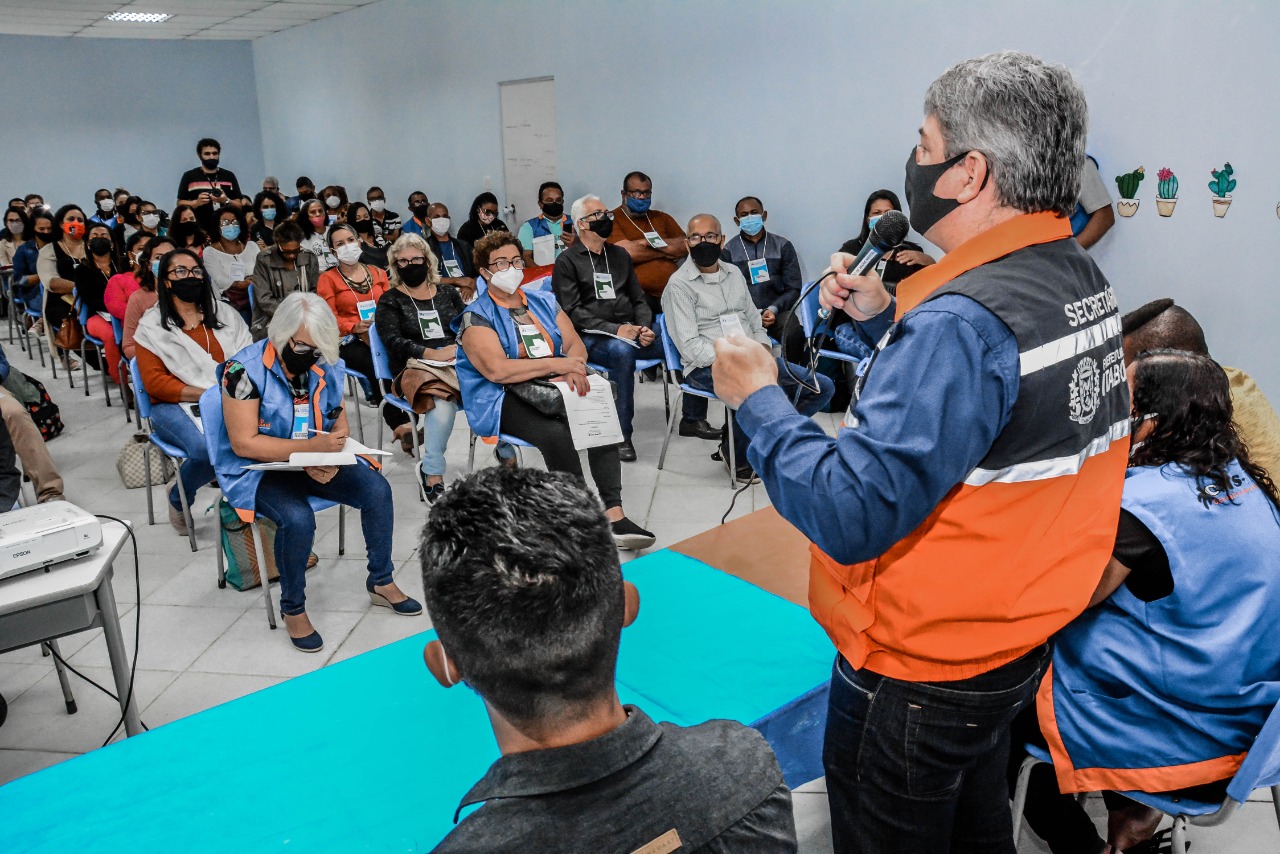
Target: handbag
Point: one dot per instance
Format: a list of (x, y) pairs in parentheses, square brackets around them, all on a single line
[(131, 463), (42, 408), (243, 572), (70, 335), (541, 395)]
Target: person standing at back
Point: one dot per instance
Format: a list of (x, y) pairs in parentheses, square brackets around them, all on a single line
[(208, 187), (653, 239), (968, 507)]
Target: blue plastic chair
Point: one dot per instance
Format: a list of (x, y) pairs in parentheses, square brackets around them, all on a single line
[(117, 332), (675, 375), (178, 455), (1259, 770), (27, 336), (808, 309), (98, 344), (214, 427)]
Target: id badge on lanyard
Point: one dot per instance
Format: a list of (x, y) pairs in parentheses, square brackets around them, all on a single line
[(534, 344), (366, 308), (731, 324), (654, 240), (759, 270), (604, 286), (429, 324), (452, 268), (301, 419), (237, 269)]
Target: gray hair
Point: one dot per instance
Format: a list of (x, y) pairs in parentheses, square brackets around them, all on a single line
[(272, 180), (1027, 116), (577, 208), (403, 242), (300, 309)]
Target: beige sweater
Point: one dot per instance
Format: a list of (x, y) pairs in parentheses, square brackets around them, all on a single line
[(1257, 422)]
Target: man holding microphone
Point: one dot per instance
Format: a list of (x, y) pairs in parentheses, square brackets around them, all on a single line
[(968, 507)]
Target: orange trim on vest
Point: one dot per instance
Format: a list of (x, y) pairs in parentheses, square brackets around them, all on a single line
[(1159, 779), (1018, 233)]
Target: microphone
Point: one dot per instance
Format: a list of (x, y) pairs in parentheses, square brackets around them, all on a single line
[(890, 230)]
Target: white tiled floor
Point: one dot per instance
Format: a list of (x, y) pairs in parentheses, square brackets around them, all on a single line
[(202, 646)]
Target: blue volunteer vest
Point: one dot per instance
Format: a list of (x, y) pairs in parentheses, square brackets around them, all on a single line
[(541, 226), (275, 418), (481, 397), (1156, 696)]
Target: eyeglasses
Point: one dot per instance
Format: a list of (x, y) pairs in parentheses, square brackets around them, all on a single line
[(177, 274), (639, 194), (497, 265), (301, 349), (710, 237), (597, 216), (489, 211), (402, 263)]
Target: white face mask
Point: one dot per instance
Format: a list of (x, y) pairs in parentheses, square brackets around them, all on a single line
[(440, 225), (348, 253), (150, 220), (507, 280), (107, 205), (15, 228), (332, 201), (378, 205)]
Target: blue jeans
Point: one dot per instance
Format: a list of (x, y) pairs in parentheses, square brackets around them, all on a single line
[(808, 403), (920, 766), (176, 428), (619, 360), (435, 435), (282, 498)]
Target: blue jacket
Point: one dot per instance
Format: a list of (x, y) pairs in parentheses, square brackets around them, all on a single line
[(1155, 696), (275, 418), (481, 397)]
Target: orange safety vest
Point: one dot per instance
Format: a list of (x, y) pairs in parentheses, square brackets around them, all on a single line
[(1013, 553)]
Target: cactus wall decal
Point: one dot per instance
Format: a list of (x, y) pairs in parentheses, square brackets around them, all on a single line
[(1221, 187), (1166, 191), (1128, 185)]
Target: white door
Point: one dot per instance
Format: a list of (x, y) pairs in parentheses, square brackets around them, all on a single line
[(528, 145)]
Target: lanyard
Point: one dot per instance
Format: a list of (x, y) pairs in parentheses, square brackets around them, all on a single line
[(764, 247), (648, 221), (592, 261), (368, 282)]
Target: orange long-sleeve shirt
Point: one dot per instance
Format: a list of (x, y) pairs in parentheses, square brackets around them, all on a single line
[(343, 299), (162, 386)]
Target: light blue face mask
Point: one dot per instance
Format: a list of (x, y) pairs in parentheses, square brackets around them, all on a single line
[(871, 223), (268, 214), (155, 268), (751, 224), (231, 231)]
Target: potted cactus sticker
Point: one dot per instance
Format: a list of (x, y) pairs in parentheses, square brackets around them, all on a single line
[(1166, 191), (1221, 187), (1128, 184)]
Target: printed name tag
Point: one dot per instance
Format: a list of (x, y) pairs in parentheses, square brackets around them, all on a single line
[(604, 286), (429, 323), (654, 240), (534, 344), (759, 270), (452, 268), (301, 420), (237, 270), (367, 309), (730, 324)]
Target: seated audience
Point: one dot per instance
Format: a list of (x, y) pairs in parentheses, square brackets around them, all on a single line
[(453, 257), (284, 268), (420, 208), (306, 191), (903, 261), (597, 288), (91, 280), (699, 298), (511, 338), (1162, 325), (186, 230), (334, 197), (230, 258), (544, 237), (15, 227), (33, 201), (579, 771), (415, 321), (352, 290), (144, 297), (57, 266), (772, 269), (289, 384), (314, 223), (482, 219), (26, 277), (122, 285), (1166, 680), (104, 209), (181, 340), (371, 250), (26, 441), (269, 210), (386, 224), (653, 239), (149, 219)]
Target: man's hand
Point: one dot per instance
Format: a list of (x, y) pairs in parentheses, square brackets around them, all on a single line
[(767, 318), (633, 246), (742, 367), (861, 297), (568, 237), (646, 336)]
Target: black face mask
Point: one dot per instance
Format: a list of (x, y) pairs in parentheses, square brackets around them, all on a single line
[(188, 290), (420, 211), (183, 230), (44, 237), (298, 363), (705, 254), (601, 227), (210, 162), (553, 209), (100, 246), (363, 226), (926, 208), (414, 274)]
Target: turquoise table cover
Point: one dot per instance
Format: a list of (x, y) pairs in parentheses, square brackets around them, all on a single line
[(372, 755)]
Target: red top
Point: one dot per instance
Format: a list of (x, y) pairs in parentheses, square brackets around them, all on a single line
[(119, 288), (343, 299)]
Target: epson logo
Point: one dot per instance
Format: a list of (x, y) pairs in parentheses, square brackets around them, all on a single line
[(25, 553)]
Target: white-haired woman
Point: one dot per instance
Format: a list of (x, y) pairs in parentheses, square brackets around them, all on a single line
[(415, 321), (284, 395)]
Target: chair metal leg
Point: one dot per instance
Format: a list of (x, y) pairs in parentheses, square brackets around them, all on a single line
[(84, 367), (106, 376), (355, 389), (146, 473), (262, 573), (417, 456), (342, 529), (666, 398), (671, 426), (67, 696), (471, 455), (381, 421), (186, 509), (222, 568), (1179, 835), (733, 452), (1275, 802), (1020, 795)]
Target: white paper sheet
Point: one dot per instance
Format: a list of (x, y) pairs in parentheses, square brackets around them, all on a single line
[(301, 460), (593, 419)]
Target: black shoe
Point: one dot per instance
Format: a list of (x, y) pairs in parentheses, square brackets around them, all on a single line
[(699, 429), (746, 474), (626, 451), (653, 374), (431, 492), (630, 536)]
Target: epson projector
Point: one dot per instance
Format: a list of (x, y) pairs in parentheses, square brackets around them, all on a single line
[(49, 533)]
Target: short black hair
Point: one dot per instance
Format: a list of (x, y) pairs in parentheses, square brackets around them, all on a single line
[(282, 207), (640, 175), (374, 190), (303, 181), (29, 196), (287, 232), (522, 580), (755, 199), (236, 212), (100, 191), (417, 193), (1162, 325), (208, 142), (549, 185)]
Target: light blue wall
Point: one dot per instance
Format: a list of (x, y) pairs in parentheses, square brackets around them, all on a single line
[(84, 113), (808, 104)]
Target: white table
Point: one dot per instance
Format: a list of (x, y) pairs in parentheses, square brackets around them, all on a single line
[(44, 605)]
